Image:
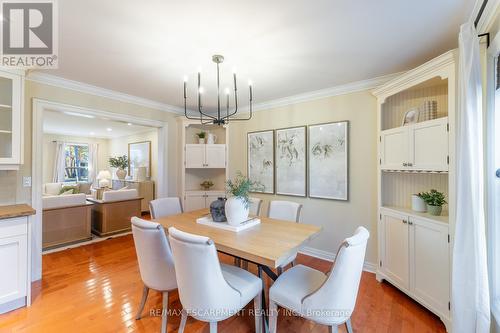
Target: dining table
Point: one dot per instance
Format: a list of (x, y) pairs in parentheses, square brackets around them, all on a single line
[(268, 244)]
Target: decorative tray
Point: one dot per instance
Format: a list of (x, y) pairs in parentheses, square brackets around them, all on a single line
[(207, 220)]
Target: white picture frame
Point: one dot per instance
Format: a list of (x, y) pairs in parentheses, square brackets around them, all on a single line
[(260, 161), (291, 161), (328, 161), (139, 155)]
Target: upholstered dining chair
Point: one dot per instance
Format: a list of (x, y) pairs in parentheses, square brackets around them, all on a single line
[(208, 290), (164, 207), (255, 205), (325, 299), (156, 263), (287, 211)]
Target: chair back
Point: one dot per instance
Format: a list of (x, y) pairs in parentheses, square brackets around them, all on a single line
[(119, 195), (255, 204), (164, 207), (339, 291), (284, 210), (154, 255), (203, 291)]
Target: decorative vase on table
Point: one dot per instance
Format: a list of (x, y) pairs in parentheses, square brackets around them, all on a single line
[(121, 174), (217, 210), (237, 210)]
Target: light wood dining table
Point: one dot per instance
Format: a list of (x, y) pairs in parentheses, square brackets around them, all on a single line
[(267, 244)]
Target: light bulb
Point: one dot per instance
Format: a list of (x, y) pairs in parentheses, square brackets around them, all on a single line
[(226, 91), (250, 83), (201, 90), (185, 78)]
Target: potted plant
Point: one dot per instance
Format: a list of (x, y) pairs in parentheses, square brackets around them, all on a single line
[(418, 203), (120, 163), (435, 201), (201, 137), (237, 206)]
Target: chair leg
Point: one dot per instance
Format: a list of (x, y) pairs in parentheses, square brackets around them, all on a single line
[(245, 265), (273, 317), (184, 317), (145, 293), (213, 327), (164, 313), (257, 306), (237, 262), (279, 270), (293, 263), (348, 326), (333, 329)]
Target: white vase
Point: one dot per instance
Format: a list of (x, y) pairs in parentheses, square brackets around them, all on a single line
[(121, 173), (211, 138), (418, 204), (201, 141), (236, 212)]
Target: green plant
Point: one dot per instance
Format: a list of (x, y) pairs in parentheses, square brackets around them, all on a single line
[(433, 198), (201, 135), (120, 162), (239, 187)]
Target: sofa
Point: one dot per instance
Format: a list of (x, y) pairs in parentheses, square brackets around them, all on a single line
[(55, 188), (66, 220), (112, 214)]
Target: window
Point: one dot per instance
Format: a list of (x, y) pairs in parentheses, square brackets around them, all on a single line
[(76, 163)]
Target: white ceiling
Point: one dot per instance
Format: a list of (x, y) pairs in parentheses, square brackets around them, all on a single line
[(76, 124), (286, 47)]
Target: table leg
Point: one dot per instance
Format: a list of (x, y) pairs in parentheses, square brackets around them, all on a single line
[(264, 304)]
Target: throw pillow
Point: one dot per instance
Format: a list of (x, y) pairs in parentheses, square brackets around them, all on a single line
[(73, 189), (67, 192), (123, 188)]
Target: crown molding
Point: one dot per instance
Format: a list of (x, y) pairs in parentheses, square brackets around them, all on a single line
[(488, 16), (342, 89), (60, 82)]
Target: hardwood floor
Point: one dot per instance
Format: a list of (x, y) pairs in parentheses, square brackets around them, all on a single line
[(97, 288)]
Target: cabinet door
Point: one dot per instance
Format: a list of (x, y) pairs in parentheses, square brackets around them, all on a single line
[(430, 263), (10, 118), (194, 202), (215, 155), (394, 148), (14, 259), (395, 249), (430, 145), (195, 156)]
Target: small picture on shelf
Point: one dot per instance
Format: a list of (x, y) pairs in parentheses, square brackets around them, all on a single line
[(411, 117)]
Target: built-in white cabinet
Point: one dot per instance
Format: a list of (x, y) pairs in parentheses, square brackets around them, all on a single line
[(415, 256), (205, 156), (421, 147), (14, 279), (11, 120), (195, 200)]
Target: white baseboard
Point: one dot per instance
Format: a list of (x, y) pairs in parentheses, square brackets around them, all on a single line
[(330, 256)]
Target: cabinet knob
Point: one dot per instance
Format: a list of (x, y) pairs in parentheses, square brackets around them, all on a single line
[(410, 223), (410, 164), (404, 221), (405, 164)]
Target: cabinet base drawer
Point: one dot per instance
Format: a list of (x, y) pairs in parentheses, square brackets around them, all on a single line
[(13, 227)]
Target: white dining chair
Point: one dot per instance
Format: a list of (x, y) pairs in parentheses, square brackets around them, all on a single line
[(287, 211), (164, 207), (156, 263), (326, 299), (255, 205), (208, 290)]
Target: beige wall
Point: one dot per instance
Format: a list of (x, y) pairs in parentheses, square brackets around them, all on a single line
[(339, 219), (119, 147), (11, 187), (49, 152)]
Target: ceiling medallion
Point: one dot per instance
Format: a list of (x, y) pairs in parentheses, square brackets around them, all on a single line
[(221, 118)]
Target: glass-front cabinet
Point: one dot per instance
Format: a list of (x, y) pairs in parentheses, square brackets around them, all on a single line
[(11, 87)]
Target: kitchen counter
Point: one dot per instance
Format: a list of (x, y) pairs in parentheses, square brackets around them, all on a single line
[(11, 211)]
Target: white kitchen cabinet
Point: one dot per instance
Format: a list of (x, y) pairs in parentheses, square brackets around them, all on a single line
[(205, 156), (14, 279), (430, 263), (11, 120), (195, 200), (415, 256), (395, 248), (422, 146)]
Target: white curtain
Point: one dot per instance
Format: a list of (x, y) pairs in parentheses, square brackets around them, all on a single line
[(470, 294), (59, 163), (93, 150)]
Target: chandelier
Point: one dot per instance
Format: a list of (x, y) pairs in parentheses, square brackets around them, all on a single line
[(222, 117)]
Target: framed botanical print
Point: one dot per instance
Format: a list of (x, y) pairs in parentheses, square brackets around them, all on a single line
[(291, 161), (328, 156), (260, 161), (139, 155)]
